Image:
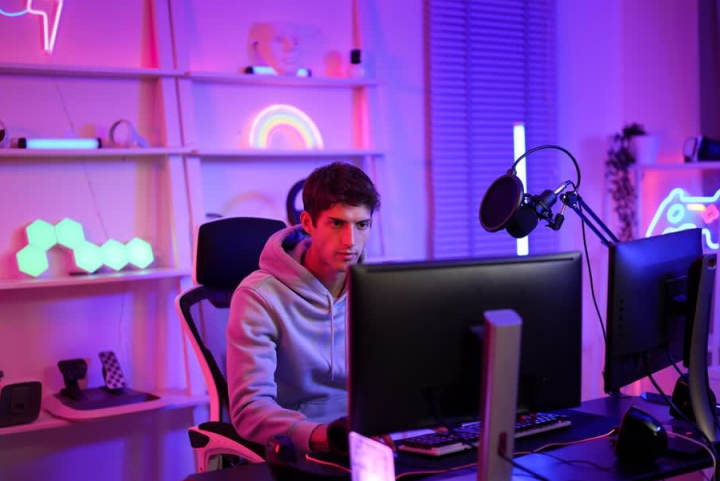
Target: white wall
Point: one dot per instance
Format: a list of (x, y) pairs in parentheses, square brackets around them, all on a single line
[(620, 62), (396, 48)]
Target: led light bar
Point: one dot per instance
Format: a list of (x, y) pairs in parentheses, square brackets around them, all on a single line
[(78, 143), (522, 244)]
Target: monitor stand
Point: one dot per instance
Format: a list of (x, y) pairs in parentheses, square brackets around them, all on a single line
[(698, 384), (498, 395)]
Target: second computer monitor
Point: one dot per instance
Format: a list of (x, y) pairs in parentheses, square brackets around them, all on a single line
[(414, 349), (652, 291)]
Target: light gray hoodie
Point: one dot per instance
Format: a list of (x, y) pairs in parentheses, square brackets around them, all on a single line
[(286, 365)]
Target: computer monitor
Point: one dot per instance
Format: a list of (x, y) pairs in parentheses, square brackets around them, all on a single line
[(652, 293), (414, 337)]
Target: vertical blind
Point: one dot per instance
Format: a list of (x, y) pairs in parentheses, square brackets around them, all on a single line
[(490, 63)]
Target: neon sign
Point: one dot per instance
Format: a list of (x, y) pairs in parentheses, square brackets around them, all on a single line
[(49, 31), (680, 210), (288, 119)]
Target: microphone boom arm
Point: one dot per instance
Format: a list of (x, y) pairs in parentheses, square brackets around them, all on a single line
[(575, 202)]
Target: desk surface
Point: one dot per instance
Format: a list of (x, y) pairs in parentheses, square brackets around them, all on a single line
[(589, 460)]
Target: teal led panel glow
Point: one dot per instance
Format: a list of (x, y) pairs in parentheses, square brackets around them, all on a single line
[(69, 233), (88, 257), (43, 236), (140, 253), (32, 260), (114, 254)]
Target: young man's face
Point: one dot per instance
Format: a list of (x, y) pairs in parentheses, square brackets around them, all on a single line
[(338, 236)]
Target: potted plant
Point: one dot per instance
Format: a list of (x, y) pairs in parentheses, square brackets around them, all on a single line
[(621, 157)]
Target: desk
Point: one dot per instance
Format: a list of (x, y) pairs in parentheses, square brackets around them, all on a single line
[(592, 460)]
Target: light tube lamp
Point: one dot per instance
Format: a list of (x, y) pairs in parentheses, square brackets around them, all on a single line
[(59, 143)]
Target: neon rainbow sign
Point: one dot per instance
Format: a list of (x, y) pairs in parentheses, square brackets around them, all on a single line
[(289, 120), (49, 32)]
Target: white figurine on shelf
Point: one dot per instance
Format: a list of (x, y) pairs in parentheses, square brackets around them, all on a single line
[(279, 48)]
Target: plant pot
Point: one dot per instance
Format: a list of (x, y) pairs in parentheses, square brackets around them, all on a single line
[(645, 148)]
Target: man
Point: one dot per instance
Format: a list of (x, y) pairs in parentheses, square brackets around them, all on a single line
[(286, 332)]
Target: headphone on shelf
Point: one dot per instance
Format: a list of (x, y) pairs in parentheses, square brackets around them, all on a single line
[(293, 213)]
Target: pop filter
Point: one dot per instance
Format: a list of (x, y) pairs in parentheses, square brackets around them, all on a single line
[(500, 202)]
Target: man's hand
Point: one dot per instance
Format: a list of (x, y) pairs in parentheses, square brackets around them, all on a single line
[(319, 438)]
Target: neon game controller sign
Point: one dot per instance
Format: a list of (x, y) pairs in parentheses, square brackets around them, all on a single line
[(49, 12), (680, 210)]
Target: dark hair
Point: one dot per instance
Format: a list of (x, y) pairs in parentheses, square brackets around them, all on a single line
[(338, 183)]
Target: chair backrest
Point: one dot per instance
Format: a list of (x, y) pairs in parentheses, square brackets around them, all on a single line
[(226, 251)]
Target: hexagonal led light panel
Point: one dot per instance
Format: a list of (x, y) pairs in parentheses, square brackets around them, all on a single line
[(88, 257), (32, 260), (69, 233), (140, 253), (41, 234), (114, 254)]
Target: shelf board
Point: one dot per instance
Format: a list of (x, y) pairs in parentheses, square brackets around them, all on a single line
[(93, 279), (168, 400), (289, 153), (86, 71), (280, 80), (106, 152), (690, 166)]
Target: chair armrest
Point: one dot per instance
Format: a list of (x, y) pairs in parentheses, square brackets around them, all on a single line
[(214, 438)]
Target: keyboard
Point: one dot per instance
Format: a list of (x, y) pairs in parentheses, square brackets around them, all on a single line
[(442, 443)]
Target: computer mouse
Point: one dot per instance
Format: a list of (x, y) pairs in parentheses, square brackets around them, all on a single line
[(641, 437)]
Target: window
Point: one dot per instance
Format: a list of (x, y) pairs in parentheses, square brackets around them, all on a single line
[(489, 64)]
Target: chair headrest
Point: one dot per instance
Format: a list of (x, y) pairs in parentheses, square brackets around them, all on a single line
[(228, 249)]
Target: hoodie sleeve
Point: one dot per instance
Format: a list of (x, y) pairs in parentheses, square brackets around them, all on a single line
[(251, 363)]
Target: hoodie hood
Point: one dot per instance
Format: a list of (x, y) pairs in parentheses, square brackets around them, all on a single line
[(282, 257)]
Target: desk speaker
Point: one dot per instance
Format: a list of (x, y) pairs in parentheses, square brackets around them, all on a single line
[(20, 403)]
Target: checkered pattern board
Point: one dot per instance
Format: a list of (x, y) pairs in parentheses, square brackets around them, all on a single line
[(114, 378)]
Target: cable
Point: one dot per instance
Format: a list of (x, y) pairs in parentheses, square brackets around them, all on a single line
[(64, 107), (578, 461), (313, 459), (674, 364), (94, 200), (686, 378), (695, 441), (670, 402), (435, 471), (567, 443), (550, 146), (592, 284), (515, 464)]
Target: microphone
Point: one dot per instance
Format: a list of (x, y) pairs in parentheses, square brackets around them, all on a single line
[(506, 206)]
